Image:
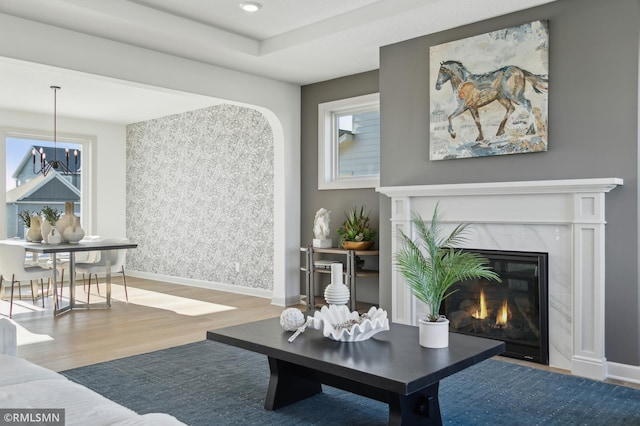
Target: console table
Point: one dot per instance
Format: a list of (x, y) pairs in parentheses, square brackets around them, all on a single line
[(390, 367), (351, 271)]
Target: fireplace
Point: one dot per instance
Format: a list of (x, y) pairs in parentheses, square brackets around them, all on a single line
[(564, 218), (514, 311)]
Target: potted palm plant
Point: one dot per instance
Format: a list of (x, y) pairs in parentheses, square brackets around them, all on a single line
[(356, 232), (430, 265)]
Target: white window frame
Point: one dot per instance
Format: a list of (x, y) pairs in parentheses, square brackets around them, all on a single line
[(86, 141), (328, 177)]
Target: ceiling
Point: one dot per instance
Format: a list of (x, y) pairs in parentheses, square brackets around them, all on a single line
[(297, 41)]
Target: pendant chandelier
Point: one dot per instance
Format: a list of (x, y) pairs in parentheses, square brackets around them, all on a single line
[(58, 165)]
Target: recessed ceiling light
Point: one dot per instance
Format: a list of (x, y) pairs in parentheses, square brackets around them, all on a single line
[(250, 6)]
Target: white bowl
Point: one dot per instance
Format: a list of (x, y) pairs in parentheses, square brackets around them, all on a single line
[(338, 323)]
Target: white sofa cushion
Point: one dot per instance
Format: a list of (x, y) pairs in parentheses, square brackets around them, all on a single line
[(10, 399), (8, 337), (27, 385), (81, 406), (17, 370)]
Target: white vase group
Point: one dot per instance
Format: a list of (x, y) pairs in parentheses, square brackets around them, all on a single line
[(66, 230)]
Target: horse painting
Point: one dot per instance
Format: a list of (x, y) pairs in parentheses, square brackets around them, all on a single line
[(505, 85)]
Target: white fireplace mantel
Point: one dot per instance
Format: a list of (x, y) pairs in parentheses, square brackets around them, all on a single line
[(568, 186), (564, 218)]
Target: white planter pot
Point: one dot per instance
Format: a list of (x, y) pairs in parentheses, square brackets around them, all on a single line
[(434, 334)]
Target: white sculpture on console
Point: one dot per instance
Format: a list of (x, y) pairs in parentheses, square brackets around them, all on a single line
[(321, 229)]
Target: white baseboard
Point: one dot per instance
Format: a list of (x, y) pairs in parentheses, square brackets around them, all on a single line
[(211, 285), (591, 368), (290, 301), (624, 372)]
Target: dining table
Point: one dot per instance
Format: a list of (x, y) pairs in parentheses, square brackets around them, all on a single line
[(72, 248)]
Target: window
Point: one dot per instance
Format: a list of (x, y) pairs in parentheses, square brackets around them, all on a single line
[(53, 191), (349, 143)]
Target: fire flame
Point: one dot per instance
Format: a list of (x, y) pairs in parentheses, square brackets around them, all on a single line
[(482, 314), (501, 318)]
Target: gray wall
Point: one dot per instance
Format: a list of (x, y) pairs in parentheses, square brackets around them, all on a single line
[(593, 132), (337, 201)]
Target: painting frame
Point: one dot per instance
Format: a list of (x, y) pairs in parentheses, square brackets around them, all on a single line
[(489, 93)]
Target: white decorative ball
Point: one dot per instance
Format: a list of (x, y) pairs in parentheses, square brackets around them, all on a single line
[(291, 319)]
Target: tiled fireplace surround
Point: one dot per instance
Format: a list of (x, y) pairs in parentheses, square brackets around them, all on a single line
[(565, 218)]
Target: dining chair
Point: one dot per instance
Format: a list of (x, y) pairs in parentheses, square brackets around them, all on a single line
[(34, 259), (117, 258), (12, 264)]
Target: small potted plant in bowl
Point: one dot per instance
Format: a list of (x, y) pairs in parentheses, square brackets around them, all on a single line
[(356, 233), (25, 217), (430, 265)]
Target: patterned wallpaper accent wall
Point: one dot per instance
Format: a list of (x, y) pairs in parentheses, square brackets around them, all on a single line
[(200, 196)]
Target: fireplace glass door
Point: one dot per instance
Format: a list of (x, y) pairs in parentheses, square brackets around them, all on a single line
[(514, 311)]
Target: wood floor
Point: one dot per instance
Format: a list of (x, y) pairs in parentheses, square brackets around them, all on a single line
[(159, 315)]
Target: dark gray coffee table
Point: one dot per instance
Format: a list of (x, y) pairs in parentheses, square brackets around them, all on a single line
[(390, 367)]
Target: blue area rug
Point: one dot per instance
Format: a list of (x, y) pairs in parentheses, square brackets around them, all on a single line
[(209, 383)]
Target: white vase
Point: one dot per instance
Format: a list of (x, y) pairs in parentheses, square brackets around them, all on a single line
[(66, 219), (336, 293), (35, 230), (45, 230), (54, 236), (434, 334), (74, 233)]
